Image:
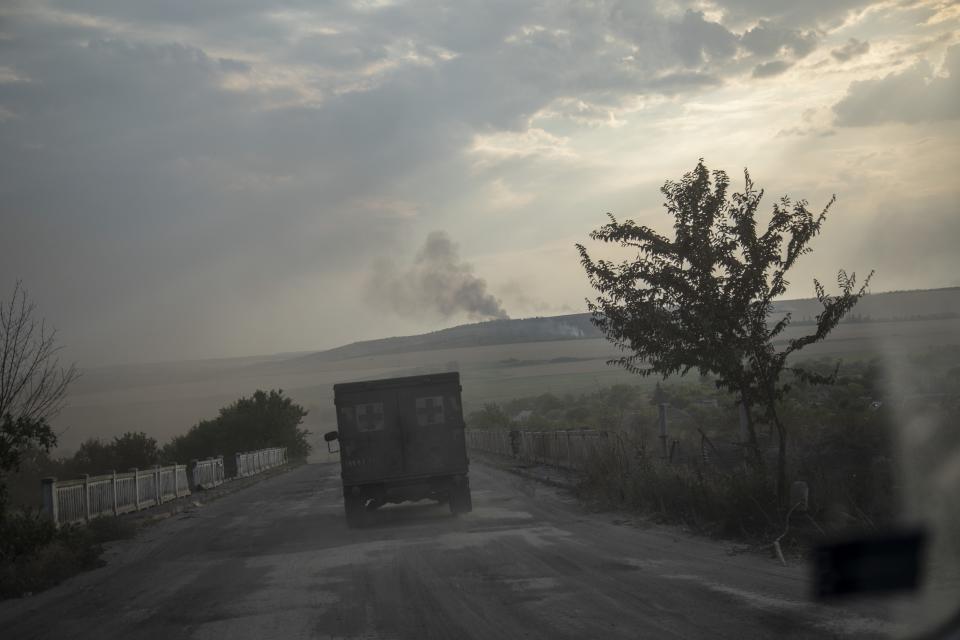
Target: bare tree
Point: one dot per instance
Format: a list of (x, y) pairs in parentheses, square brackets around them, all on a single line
[(32, 382)]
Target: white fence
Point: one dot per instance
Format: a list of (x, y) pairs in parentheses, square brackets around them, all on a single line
[(112, 494), (208, 473), (253, 462), (567, 449), (71, 501)]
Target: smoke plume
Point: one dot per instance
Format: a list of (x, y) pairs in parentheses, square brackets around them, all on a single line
[(438, 282)]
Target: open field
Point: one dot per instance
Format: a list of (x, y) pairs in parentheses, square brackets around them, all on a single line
[(166, 399)]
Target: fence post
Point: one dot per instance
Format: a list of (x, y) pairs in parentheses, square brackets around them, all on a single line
[(192, 475), (49, 488), (86, 497), (136, 488), (744, 430), (157, 491), (662, 419), (239, 469), (176, 481), (113, 490)]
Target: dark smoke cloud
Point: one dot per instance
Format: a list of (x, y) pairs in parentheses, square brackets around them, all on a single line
[(438, 282)]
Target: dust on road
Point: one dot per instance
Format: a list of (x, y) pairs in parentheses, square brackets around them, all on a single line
[(277, 561)]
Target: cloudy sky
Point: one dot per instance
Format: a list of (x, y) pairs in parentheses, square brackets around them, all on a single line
[(188, 179)]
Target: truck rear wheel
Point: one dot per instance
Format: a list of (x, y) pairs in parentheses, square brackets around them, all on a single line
[(460, 499), (353, 508)]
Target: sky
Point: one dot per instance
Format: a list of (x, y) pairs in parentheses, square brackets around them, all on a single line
[(185, 180)]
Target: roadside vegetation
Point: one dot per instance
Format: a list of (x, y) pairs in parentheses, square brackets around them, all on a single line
[(265, 419), (35, 555), (701, 300), (845, 447)]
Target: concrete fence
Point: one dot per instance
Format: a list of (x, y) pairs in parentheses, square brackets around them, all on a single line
[(79, 500), (566, 449), (253, 462), (208, 473)]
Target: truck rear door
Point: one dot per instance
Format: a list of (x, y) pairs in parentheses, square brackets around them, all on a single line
[(371, 440), (432, 422)]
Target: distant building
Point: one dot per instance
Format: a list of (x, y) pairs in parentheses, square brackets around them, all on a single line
[(522, 416)]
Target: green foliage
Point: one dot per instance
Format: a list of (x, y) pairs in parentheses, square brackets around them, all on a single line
[(35, 555), (703, 298), (22, 532), (130, 450), (17, 436), (606, 408), (730, 504), (258, 422), (32, 384), (491, 416)]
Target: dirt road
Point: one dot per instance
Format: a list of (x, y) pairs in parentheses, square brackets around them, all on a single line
[(277, 561)]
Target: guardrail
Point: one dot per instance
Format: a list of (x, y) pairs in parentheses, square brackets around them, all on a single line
[(567, 449), (112, 494), (254, 462), (208, 473), (88, 497)]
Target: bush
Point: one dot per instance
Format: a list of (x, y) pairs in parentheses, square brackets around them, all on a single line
[(732, 504), (124, 452), (258, 422), (35, 555), (22, 532)]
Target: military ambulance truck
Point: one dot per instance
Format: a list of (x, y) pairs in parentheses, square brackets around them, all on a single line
[(401, 440)]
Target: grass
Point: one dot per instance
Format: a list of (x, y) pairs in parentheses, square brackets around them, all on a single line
[(735, 504)]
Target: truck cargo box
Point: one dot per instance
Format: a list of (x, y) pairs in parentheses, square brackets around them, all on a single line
[(401, 439)]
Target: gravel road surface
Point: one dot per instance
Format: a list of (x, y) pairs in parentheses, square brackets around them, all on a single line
[(276, 560)]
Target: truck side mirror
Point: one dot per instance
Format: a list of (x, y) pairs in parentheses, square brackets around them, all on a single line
[(330, 436)]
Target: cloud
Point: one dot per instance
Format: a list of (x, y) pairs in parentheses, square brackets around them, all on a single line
[(852, 49), (768, 39), (181, 159), (673, 83), (438, 282), (915, 94), (234, 66), (811, 13), (697, 40), (770, 69)]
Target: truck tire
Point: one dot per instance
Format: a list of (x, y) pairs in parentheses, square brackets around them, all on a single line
[(353, 508), (460, 499)]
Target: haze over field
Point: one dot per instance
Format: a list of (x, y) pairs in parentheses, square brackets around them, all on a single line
[(498, 360), (184, 180)]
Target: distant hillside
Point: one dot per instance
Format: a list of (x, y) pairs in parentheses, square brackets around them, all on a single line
[(895, 305), (569, 327)]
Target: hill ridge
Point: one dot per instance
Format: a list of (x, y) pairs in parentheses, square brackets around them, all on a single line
[(576, 326)]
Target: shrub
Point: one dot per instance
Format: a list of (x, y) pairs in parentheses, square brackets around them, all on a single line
[(258, 422), (22, 532), (735, 503), (35, 555)]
